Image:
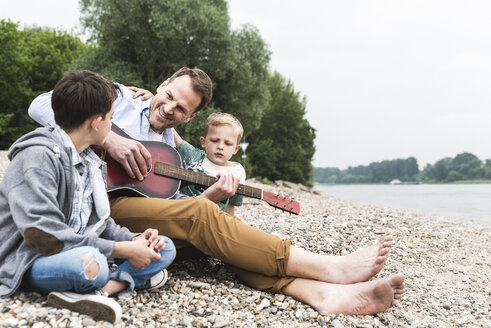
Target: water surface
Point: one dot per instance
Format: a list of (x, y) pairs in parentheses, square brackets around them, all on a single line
[(468, 201)]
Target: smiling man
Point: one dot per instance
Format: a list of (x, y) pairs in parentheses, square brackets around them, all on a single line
[(334, 284)]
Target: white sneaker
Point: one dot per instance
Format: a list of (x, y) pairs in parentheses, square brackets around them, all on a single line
[(156, 281), (95, 304)]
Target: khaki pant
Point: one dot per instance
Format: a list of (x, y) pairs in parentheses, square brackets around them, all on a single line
[(258, 258)]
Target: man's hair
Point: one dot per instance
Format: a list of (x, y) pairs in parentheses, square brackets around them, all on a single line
[(217, 119), (80, 95), (201, 83)]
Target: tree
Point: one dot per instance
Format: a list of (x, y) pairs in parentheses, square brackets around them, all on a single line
[(143, 43), (464, 163), (441, 169), (151, 39), (241, 90), (282, 149), (31, 62)]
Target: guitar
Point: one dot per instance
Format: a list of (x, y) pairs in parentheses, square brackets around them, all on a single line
[(166, 173)]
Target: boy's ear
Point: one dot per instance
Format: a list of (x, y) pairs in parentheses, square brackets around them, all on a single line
[(160, 87), (202, 139), (94, 122), (236, 149)]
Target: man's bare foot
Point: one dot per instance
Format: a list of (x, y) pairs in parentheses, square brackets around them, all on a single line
[(363, 264), (356, 267), (356, 299)]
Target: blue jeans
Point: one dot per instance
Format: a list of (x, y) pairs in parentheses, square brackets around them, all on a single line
[(65, 271)]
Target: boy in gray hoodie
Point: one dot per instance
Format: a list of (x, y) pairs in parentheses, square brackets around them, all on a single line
[(57, 236)]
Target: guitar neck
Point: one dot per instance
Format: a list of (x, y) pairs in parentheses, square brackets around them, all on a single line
[(201, 179)]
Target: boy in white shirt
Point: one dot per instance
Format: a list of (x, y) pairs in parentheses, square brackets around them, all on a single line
[(220, 141)]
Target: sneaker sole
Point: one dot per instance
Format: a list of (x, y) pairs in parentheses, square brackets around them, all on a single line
[(94, 309)]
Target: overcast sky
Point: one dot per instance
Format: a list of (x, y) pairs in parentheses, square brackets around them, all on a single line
[(383, 79)]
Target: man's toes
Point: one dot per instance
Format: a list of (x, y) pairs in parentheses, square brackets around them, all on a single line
[(387, 244), (383, 251)]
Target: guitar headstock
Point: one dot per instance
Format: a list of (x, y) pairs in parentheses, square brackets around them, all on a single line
[(281, 202)]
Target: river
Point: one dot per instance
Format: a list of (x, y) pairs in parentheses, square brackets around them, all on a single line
[(468, 201)]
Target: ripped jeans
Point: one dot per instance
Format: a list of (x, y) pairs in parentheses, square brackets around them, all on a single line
[(68, 271)]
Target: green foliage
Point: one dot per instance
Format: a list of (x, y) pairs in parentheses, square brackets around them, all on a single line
[(143, 43), (463, 167), (282, 149), (375, 172), (31, 62), (151, 39), (240, 90)]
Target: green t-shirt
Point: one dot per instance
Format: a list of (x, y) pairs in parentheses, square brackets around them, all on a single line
[(192, 159)]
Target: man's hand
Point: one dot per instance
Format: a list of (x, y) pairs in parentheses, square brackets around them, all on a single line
[(145, 94), (225, 186), (131, 154)]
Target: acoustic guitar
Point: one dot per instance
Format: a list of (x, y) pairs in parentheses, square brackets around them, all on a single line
[(166, 173)]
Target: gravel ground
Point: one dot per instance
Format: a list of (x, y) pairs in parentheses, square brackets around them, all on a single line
[(447, 263)]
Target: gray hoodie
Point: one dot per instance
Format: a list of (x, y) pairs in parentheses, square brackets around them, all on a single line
[(36, 197)]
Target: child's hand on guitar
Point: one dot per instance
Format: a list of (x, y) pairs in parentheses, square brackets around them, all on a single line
[(225, 186)]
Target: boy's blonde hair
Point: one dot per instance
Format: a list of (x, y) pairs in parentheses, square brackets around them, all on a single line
[(217, 119)]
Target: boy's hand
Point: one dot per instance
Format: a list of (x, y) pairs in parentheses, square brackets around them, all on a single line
[(131, 154), (145, 94), (225, 186), (137, 252), (141, 254), (155, 241)]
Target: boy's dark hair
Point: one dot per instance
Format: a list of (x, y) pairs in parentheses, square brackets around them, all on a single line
[(80, 95), (201, 83)]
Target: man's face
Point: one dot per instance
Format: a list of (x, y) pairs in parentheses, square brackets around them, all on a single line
[(173, 104)]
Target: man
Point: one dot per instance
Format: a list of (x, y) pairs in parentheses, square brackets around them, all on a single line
[(332, 284)]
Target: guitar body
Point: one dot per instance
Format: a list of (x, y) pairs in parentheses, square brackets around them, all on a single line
[(154, 185)]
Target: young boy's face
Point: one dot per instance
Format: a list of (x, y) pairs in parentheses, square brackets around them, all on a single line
[(220, 144)]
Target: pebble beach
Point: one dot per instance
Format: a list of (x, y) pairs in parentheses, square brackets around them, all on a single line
[(446, 261)]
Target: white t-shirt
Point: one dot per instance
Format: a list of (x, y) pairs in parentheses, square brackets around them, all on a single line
[(212, 169), (154, 136)]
